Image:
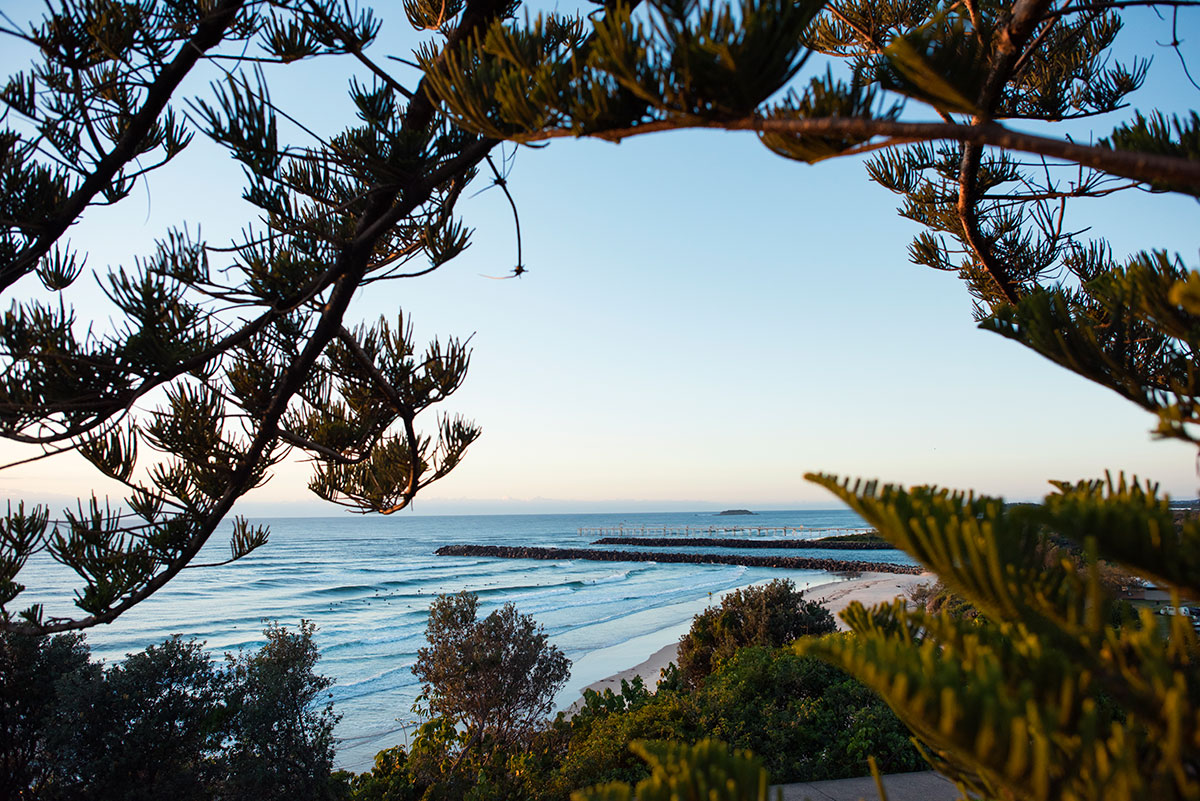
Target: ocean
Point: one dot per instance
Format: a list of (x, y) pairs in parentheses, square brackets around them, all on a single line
[(366, 582)]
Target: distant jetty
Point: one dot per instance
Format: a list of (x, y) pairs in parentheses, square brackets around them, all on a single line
[(709, 542), (781, 562), (734, 512)]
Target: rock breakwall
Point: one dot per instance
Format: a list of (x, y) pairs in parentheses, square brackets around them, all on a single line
[(782, 562), (709, 542)]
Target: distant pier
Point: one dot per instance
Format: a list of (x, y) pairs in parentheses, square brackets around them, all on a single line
[(723, 542), (712, 531)]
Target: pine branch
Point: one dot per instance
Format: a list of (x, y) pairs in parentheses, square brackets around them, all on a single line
[(1142, 167), (209, 32)]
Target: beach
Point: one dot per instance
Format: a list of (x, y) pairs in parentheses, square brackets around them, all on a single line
[(869, 589)]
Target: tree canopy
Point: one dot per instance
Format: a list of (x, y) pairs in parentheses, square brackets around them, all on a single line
[(220, 369), (496, 676)]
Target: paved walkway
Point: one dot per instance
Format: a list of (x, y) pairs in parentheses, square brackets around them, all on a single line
[(920, 786)]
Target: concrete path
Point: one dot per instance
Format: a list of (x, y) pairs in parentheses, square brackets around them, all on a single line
[(923, 785)]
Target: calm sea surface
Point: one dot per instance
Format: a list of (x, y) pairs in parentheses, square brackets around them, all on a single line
[(367, 583)]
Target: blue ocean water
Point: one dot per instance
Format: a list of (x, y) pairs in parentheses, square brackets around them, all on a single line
[(367, 582)]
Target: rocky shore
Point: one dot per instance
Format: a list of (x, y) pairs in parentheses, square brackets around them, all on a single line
[(709, 542), (784, 562)]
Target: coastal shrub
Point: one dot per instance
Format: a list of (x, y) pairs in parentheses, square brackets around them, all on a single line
[(390, 779), (772, 614), (805, 719), (167, 722), (36, 676), (281, 734), (597, 748), (497, 677), (147, 728)]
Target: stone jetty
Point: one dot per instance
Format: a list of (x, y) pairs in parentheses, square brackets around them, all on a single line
[(782, 562), (709, 542)]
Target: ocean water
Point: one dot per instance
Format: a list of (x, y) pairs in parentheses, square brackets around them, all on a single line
[(367, 583)]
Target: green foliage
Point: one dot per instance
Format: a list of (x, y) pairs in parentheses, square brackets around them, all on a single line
[(151, 728), (689, 60), (245, 362), (165, 722), (1156, 134), (38, 678), (771, 614), (1125, 329), (1015, 705), (282, 735), (805, 719), (496, 676), (707, 771), (390, 779), (596, 741)]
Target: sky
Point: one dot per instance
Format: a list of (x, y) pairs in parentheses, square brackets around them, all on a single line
[(702, 322)]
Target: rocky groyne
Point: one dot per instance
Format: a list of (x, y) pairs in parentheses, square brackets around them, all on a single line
[(783, 562), (709, 542)]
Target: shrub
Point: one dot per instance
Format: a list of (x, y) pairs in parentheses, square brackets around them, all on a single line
[(166, 723), (772, 614), (805, 719), (282, 737), (36, 675), (496, 676), (149, 728), (391, 779)]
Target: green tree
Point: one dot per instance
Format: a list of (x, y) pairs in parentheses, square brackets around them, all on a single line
[(497, 677), (37, 676), (146, 728), (246, 362), (166, 722), (282, 734), (772, 614)]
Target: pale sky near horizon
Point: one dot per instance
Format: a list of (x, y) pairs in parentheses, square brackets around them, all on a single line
[(702, 323)]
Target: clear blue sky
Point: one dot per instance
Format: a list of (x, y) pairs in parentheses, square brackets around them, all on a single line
[(702, 322)]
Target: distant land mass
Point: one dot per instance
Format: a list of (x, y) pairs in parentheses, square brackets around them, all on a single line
[(735, 512)]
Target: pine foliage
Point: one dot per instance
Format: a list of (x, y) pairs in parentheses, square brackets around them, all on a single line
[(219, 361), (706, 771), (1046, 698)]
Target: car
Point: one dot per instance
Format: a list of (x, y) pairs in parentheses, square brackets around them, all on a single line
[(1187, 611)]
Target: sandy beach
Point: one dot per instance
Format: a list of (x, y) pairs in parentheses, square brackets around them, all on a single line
[(869, 588)]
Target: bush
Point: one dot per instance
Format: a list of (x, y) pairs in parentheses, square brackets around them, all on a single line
[(597, 747), (165, 723), (496, 676), (36, 676), (391, 779), (772, 614), (805, 719), (282, 739), (149, 728)]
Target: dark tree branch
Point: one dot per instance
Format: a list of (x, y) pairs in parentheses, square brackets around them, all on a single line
[(209, 33), (1142, 167)]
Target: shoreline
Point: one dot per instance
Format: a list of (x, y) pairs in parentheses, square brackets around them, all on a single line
[(869, 588)]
